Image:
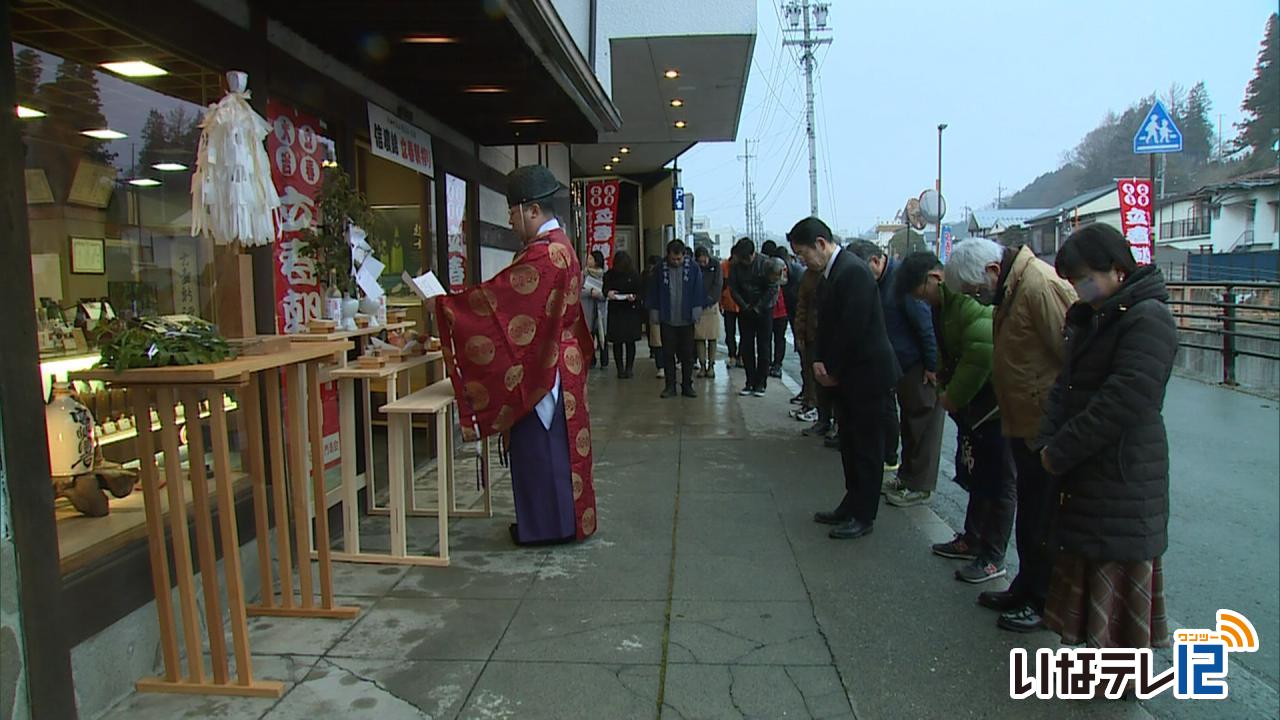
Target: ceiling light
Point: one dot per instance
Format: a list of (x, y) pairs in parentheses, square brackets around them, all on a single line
[(144, 182), (527, 121), (615, 159), (671, 74), (135, 69), (680, 124), (607, 168), (624, 150), (429, 40), (104, 134), (169, 167), (485, 90), (677, 102), (27, 113)]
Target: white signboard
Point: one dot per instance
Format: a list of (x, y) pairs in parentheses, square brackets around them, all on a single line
[(396, 140)]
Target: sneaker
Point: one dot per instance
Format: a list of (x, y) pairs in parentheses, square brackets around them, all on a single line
[(891, 484), (798, 399), (908, 498), (891, 467), (979, 571), (757, 393), (818, 429), (810, 415), (661, 375), (1021, 620), (957, 549), (711, 373), (775, 373), (746, 392)]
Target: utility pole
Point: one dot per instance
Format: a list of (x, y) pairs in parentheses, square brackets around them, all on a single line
[(809, 18), (748, 195), (999, 196)]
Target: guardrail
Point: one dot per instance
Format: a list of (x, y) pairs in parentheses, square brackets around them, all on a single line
[(1229, 313)]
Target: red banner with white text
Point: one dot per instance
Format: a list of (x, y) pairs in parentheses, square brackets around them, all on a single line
[(602, 217), (297, 154), (1135, 217)]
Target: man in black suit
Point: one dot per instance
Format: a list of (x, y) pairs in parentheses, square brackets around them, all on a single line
[(855, 361)]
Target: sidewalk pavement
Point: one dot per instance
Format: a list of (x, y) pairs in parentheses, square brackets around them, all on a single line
[(708, 592)]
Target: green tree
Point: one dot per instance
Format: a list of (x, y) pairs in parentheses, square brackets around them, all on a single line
[(1260, 130), (1196, 127), (27, 69)]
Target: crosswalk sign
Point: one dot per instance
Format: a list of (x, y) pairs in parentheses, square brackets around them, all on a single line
[(1157, 134)]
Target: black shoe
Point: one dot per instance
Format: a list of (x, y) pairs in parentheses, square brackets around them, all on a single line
[(798, 400), (1023, 619), (669, 392), (1000, 600), (853, 529), (689, 393), (829, 518), (819, 429)]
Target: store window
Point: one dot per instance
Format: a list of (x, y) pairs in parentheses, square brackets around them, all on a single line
[(108, 166)]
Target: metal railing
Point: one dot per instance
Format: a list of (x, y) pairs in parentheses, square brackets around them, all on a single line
[(1229, 312), (1191, 227)]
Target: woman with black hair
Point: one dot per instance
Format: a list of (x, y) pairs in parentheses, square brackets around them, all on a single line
[(622, 287), (1103, 441), (594, 308)]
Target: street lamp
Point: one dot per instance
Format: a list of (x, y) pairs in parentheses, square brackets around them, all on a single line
[(938, 187)]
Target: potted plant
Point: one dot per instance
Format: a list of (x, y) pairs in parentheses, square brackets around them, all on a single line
[(339, 206)]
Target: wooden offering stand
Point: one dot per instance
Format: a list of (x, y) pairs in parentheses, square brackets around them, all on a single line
[(161, 389)]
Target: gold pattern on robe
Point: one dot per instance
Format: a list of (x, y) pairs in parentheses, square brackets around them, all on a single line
[(573, 360), (482, 301), (514, 375), (577, 486), (525, 279), (502, 422), (551, 355), (570, 406), (561, 255), (589, 521), (521, 330), (478, 394), (584, 442), (573, 289), (555, 304), (480, 350)]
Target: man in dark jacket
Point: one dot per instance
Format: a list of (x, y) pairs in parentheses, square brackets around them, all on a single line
[(676, 299), (753, 284), (854, 359), (909, 323)]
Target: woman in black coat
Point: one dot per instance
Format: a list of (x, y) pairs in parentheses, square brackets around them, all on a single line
[(1103, 440), (622, 287)]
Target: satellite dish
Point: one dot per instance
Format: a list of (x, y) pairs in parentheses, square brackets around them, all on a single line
[(933, 207)]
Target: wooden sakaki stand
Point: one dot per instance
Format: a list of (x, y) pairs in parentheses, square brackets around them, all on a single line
[(437, 400), (162, 388)]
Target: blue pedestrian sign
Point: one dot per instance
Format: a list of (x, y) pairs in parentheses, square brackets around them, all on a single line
[(1158, 134)]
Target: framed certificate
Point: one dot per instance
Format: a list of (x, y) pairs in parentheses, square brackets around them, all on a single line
[(88, 256)]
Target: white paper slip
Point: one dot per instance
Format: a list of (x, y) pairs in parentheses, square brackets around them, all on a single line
[(426, 285), (367, 277)]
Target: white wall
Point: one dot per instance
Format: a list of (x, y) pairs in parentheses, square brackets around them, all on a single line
[(576, 16), (656, 18)]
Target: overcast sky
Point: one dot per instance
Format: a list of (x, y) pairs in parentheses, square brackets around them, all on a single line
[(1019, 82)]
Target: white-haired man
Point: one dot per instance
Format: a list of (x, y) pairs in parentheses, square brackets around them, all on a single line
[(1031, 305)]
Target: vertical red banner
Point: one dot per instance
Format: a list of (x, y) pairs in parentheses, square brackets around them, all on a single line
[(296, 153), (1135, 217), (602, 217)]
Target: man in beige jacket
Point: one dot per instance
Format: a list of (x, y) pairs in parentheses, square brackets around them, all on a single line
[(1031, 305)]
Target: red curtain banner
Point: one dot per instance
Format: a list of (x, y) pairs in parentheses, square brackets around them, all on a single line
[(297, 154), (602, 217), (1135, 217)]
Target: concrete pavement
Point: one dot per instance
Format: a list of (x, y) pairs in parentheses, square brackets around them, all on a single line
[(709, 593)]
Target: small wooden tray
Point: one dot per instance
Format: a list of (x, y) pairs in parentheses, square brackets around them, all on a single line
[(392, 354), (371, 361), (322, 327), (362, 321), (396, 316), (260, 344), (434, 344)]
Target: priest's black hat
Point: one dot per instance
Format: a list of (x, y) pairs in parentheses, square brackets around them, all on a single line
[(530, 183)]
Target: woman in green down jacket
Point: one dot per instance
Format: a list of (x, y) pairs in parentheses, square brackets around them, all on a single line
[(984, 465)]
